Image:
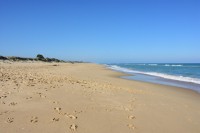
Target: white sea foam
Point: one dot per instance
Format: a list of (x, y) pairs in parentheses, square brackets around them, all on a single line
[(166, 76), (173, 65), (177, 65), (152, 64)]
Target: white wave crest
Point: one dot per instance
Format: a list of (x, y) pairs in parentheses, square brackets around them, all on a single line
[(166, 76), (152, 64), (173, 65)]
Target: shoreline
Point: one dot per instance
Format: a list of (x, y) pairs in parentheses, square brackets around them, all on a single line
[(120, 75), (90, 98), (155, 79)]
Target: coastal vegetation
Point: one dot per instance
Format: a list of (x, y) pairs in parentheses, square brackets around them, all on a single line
[(39, 57)]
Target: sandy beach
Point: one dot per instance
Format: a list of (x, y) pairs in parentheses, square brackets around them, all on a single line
[(89, 98)]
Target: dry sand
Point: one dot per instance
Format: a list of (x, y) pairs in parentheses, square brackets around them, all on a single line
[(88, 98)]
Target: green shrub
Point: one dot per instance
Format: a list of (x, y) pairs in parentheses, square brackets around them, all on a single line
[(40, 57)]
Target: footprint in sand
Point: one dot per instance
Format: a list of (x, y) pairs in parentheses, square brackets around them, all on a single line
[(71, 116), (73, 127), (34, 119), (29, 98), (10, 120), (57, 109), (131, 126), (12, 104), (55, 119), (131, 117), (2, 97), (78, 112), (41, 95), (55, 102)]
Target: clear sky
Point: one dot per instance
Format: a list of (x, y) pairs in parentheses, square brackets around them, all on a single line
[(102, 30)]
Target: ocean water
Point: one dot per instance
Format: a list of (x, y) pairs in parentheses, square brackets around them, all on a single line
[(180, 75)]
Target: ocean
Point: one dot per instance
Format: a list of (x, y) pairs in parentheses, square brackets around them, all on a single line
[(185, 75)]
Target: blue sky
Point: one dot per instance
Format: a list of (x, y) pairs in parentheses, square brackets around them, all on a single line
[(102, 30)]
